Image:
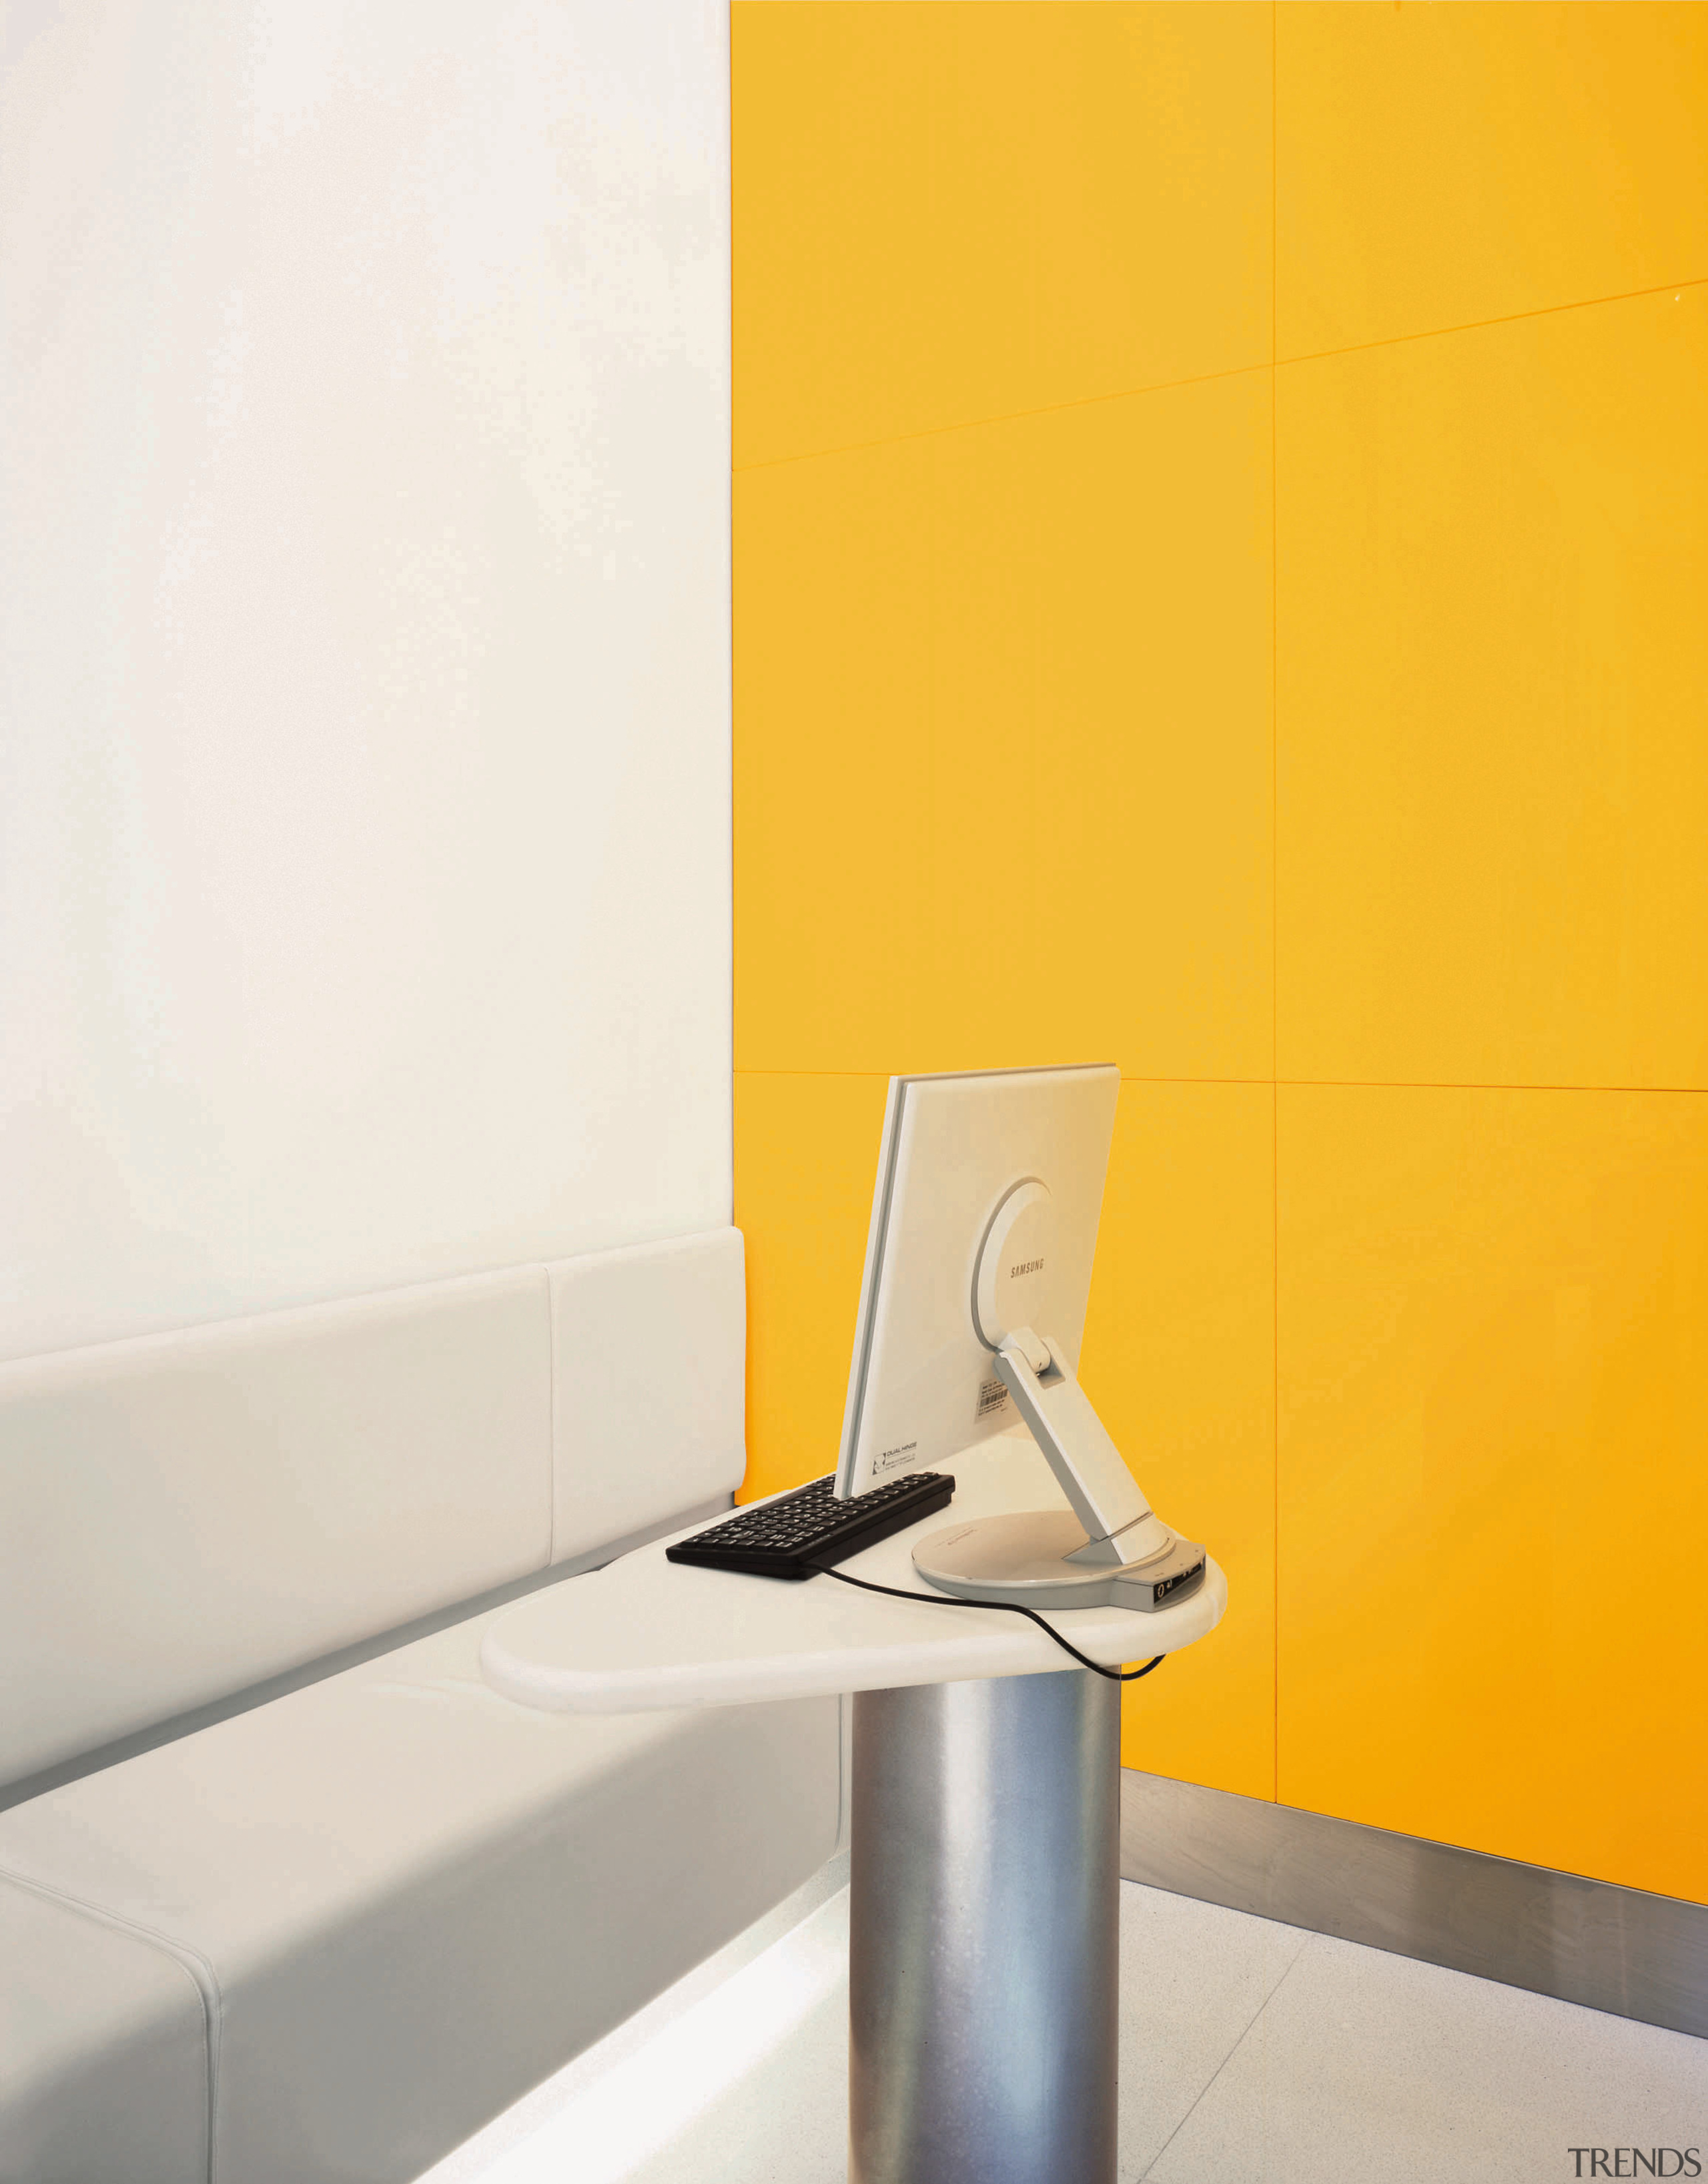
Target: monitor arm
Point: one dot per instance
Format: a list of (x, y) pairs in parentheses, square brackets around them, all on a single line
[(1127, 1556), (1102, 1492)]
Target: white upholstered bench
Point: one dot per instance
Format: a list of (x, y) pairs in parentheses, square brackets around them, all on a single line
[(331, 1934)]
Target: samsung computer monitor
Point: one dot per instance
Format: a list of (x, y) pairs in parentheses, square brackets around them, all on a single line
[(971, 1312)]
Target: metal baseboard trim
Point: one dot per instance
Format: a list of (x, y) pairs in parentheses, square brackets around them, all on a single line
[(1618, 1949)]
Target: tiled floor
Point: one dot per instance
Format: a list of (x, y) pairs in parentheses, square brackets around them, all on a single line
[(1251, 2054)]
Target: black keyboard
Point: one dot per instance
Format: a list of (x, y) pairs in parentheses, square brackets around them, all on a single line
[(783, 1538)]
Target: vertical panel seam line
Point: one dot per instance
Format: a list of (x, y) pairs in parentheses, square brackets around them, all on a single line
[(1275, 895), (551, 1423), (730, 543)]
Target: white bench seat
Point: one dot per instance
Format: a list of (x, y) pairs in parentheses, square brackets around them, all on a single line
[(390, 1903), (103, 2051)]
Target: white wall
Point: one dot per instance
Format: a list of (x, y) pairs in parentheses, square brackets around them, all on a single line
[(363, 646)]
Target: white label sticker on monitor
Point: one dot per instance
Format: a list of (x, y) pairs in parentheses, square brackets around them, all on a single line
[(992, 1395)]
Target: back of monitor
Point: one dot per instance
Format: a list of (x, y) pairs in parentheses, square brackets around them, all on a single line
[(972, 1310), (957, 1153)]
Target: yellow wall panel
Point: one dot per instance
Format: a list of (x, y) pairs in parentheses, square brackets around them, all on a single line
[(948, 212), (1007, 602), (1179, 1358), (1493, 1379), (806, 1155), (1003, 755), (1492, 682), (1440, 166)]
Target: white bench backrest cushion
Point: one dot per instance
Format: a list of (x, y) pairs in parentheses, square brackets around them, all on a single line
[(188, 1513), (649, 1368)]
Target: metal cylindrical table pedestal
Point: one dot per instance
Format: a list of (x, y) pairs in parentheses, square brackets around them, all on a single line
[(984, 1957)]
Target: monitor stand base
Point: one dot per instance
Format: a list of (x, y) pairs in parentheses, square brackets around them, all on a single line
[(1026, 1561)]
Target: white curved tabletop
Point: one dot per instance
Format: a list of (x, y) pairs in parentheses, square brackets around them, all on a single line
[(643, 1633)]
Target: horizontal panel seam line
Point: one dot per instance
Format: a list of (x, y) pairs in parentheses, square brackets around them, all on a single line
[(1506, 319), (1310, 1084), (1001, 417), (1209, 378), (1470, 1084), (883, 1076)]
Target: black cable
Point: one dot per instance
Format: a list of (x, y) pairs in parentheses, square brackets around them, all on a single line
[(1003, 1606)]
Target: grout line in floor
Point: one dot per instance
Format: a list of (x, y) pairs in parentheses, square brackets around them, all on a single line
[(1209, 2085)]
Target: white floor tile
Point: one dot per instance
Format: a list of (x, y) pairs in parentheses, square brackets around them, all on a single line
[(1192, 1978), (1365, 2066), (1250, 2054), (784, 2123)]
